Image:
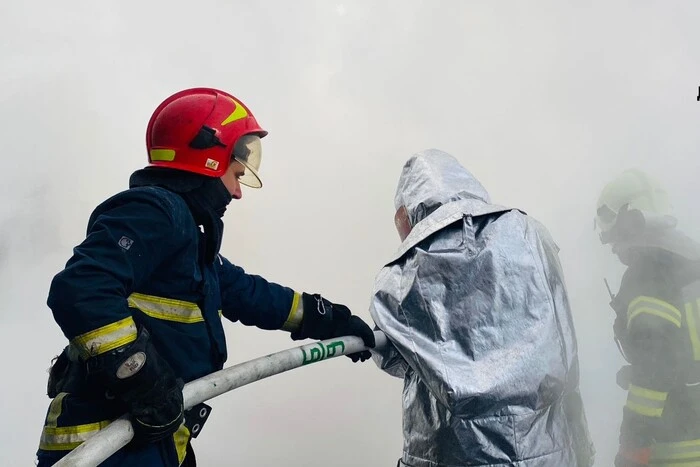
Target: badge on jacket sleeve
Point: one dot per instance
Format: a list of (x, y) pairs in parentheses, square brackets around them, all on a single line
[(125, 242)]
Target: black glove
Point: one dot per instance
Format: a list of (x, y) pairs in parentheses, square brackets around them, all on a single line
[(325, 320), (137, 375)]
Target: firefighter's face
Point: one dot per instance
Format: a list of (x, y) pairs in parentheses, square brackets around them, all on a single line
[(230, 179)]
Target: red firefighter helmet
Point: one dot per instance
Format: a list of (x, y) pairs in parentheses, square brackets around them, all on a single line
[(197, 130)]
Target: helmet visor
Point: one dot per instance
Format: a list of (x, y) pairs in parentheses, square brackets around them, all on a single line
[(248, 151), (606, 216)]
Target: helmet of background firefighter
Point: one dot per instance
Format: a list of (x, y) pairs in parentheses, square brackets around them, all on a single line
[(200, 130), (631, 204)]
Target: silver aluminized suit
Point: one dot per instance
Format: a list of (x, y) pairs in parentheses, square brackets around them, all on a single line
[(476, 312)]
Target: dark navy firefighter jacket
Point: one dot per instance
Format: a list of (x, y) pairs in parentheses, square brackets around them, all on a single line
[(140, 266)]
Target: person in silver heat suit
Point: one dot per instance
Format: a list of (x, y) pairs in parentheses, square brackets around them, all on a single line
[(476, 312)]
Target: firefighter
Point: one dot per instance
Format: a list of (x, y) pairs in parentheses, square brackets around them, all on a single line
[(657, 324), (475, 308), (142, 299)]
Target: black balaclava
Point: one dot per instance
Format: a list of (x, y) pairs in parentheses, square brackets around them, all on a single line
[(207, 198)]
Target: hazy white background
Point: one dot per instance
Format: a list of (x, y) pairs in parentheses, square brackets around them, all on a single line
[(543, 101)]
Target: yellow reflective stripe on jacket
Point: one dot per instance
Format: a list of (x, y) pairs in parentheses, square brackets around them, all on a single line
[(66, 438), (665, 463), (296, 313), (655, 307), (166, 308), (645, 401), (106, 338), (693, 318), (665, 453), (55, 409), (180, 438)]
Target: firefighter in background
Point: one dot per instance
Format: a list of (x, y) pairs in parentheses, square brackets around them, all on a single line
[(657, 323)]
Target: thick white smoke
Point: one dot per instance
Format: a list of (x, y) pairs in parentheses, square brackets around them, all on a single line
[(544, 102)]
